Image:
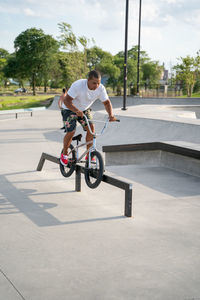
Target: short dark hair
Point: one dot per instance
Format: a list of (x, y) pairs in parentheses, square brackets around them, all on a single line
[(64, 90), (94, 74)]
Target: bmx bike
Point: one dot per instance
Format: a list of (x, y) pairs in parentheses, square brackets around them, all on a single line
[(94, 165)]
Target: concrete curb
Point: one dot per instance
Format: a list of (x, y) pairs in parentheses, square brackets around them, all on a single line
[(165, 154)]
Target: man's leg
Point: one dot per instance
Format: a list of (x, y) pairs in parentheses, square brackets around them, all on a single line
[(70, 126), (67, 141), (89, 136)]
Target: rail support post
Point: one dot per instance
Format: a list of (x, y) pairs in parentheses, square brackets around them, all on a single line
[(41, 162), (128, 201), (78, 179)]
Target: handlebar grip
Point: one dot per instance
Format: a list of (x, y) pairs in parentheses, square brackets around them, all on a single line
[(117, 120)]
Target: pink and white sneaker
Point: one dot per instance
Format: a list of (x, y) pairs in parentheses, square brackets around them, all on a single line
[(64, 159)]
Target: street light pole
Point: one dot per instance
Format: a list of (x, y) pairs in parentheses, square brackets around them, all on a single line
[(138, 63), (125, 55)]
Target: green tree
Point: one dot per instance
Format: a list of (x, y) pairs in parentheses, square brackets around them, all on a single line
[(151, 73), (131, 68), (4, 55), (71, 67), (34, 51), (67, 39), (187, 72), (95, 55), (73, 62), (197, 72), (84, 43), (104, 62), (12, 70), (149, 70)]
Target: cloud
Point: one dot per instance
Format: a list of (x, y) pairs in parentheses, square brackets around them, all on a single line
[(152, 34), (29, 12), (150, 12), (176, 2), (164, 22), (161, 13), (9, 10)]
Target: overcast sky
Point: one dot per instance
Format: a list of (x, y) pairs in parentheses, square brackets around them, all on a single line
[(170, 28)]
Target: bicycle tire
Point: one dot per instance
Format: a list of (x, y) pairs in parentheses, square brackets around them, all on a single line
[(68, 170), (93, 177)]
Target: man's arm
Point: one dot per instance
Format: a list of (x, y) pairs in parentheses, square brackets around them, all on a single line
[(68, 103), (108, 108)]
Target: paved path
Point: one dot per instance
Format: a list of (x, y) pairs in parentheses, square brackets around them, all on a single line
[(59, 244)]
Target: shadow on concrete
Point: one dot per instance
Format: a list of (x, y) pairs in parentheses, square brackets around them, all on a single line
[(51, 135), (54, 136), (16, 201)]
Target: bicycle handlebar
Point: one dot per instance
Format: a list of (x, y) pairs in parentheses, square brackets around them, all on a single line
[(106, 123)]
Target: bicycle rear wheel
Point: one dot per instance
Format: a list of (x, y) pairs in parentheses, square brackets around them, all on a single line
[(94, 174), (69, 169)]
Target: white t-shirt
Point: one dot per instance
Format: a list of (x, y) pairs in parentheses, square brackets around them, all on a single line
[(83, 97)]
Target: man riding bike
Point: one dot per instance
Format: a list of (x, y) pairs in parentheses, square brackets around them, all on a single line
[(77, 102)]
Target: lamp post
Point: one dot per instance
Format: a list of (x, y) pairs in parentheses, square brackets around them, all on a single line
[(138, 62), (125, 55)]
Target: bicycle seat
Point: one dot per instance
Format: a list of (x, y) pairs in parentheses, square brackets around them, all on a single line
[(77, 137)]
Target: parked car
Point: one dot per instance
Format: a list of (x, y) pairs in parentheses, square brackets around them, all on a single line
[(21, 90)]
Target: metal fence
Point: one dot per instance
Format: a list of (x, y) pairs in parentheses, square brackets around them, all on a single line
[(158, 91)]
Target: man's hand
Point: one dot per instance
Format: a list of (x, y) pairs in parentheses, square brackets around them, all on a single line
[(112, 118), (79, 113)]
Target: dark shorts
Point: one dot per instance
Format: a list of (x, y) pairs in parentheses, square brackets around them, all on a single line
[(62, 110), (70, 119)]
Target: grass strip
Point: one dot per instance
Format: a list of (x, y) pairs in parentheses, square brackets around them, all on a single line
[(25, 101)]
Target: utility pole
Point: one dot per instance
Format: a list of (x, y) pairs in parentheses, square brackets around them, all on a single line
[(125, 55), (138, 62)]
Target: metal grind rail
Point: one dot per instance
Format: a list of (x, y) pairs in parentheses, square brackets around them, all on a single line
[(127, 187), (14, 114)]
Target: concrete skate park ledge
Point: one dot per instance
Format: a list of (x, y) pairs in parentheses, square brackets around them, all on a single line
[(166, 154)]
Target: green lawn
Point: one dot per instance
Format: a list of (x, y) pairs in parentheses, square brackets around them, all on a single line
[(25, 101), (194, 95)]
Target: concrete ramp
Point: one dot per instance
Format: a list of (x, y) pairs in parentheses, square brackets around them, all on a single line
[(134, 129)]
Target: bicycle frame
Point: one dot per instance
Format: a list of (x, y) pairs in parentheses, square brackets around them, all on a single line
[(93, 147)]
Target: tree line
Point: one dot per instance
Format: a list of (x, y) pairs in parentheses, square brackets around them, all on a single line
[(187, 74), (45, 61)]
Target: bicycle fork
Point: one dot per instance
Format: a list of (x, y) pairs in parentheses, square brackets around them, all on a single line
[(92, 148)]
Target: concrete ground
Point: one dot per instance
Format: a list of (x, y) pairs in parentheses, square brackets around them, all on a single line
[(58, 244)]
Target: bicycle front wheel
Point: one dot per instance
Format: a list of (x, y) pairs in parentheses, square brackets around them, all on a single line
[(69, 169), (94, 174)]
